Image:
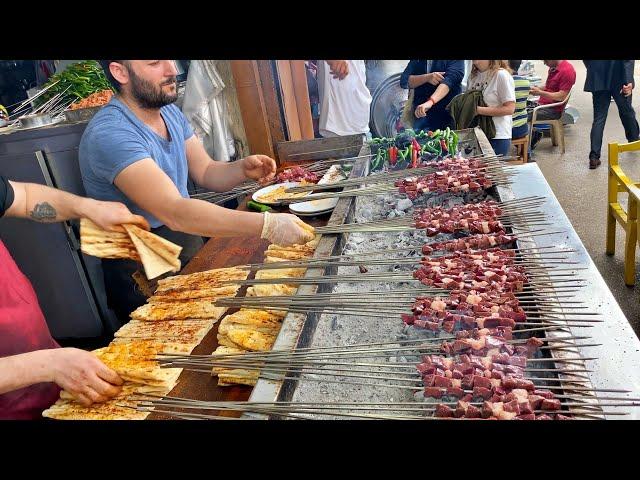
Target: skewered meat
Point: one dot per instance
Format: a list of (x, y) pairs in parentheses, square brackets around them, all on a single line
[(297, 174)]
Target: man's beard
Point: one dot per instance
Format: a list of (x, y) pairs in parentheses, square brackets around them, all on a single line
[(148, 95)]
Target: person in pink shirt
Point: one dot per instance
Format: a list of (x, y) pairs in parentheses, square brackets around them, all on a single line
[(33, 367), (560, 80)]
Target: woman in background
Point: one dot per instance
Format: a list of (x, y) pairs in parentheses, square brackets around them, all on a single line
[(498, 92)]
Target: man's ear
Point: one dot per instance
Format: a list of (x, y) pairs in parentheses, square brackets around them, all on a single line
[(119, 72)]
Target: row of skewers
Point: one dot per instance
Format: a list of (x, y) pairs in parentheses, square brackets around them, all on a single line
[(473, 302)]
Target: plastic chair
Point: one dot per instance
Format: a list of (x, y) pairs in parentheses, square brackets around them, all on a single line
[(556, 126), (628, 220)]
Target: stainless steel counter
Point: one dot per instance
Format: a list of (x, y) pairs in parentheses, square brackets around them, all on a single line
[(618, 363)]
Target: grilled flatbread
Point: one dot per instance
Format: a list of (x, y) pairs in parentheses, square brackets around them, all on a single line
[(187, 295), (104, 244), (275, 290), (168, 345), (232, 376), (135, 362), (246, 338), (154, 264), (178, 310), (281, 273), (66, 408), (178, 331), (201, 280), (161, 246)]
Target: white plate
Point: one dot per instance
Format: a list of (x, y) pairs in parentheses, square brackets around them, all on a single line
[(271, 188), (314, 207)]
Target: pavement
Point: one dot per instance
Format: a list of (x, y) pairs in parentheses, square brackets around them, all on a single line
[(582, 192)]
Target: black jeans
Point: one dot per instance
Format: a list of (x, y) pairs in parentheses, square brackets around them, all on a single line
[(601, 102), (123, 294)]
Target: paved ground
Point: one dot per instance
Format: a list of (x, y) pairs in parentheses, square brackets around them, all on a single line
[(583, 192)]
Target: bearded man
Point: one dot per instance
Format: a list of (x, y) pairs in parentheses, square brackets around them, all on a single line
[(139, 149)]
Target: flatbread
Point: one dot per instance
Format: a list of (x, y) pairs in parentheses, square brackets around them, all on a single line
[(282, 255), (178, 331), (247, 339), (280, 273), (135, 362), (154, 264), (178, 310), (104, 244), (233, 376), (161, 246), (274, 290), (201, 280), (168, 345), (187, 295)]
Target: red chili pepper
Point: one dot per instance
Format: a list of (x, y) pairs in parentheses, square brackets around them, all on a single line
[(414, 157), (393, 155), (443, 144)]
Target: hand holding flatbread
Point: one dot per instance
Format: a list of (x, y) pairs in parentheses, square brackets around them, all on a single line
[(286, 229)]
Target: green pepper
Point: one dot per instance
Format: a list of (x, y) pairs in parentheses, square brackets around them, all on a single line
[(258, 207)]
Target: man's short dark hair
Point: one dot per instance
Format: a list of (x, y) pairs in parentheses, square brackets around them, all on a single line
[(515, 65), (105, 66)]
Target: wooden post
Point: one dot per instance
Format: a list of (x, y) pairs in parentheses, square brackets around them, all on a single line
[(252, 106), (301, 92), (289, 103)]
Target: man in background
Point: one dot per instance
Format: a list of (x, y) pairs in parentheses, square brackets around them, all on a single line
[(345, 100), (606, 79), (560, 81)]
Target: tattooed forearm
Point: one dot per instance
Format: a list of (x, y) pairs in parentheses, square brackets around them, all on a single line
[(43, 212)]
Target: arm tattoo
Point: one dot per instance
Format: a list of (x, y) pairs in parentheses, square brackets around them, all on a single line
[(43, 212)]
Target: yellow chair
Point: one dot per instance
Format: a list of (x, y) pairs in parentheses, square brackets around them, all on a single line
[(619, 183)]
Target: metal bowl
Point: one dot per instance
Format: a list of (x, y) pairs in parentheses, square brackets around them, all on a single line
[(81, 114)]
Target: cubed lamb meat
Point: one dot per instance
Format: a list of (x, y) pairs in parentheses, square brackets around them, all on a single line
[(455, 392), (473, 412), (512, 407), (482, 392), (551, 404), (428, 380), (444, 411), (526, 416), (434, 392), (441, 381), (479, 381)]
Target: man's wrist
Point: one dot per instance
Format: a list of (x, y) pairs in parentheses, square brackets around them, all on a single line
[(83, 206), (432, 100)]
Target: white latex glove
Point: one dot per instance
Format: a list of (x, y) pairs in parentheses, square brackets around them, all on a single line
[(286, 229)]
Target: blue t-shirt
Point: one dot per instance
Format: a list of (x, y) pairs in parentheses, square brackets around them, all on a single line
[(115, 138)]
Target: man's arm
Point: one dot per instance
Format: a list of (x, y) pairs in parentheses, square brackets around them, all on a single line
[(78, 372), (47, 205), (628, 66), (198, 217), (439, 94), (409, 79), (558, 96), (223, 176)]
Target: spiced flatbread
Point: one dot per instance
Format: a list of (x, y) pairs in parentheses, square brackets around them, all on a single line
[(178, 310)]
